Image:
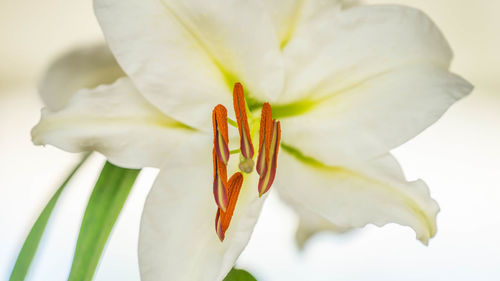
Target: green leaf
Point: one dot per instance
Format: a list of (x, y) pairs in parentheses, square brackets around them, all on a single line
[(104, 206), (239, 275), (31, 243)]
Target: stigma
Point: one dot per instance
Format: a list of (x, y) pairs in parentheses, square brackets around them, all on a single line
[(226, 191)]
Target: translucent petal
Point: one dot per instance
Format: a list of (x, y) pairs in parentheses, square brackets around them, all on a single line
[(288, 14), (85, 67), (334, 50), (114, 120), (185, 56), (178, 240), (376, 115), (373, 192)]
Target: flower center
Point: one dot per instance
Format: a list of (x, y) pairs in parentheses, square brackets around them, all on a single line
[(226, 191)]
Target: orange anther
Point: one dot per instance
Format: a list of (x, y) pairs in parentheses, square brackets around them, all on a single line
[(220, 155), (220, 182), (265, 132), (218, 226), (246, 146), (267, 177), (223, 219), (226, 191), (221, 139)]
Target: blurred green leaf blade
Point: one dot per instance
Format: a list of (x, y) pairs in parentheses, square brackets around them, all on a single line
[(239, 275), (105, 204), (32, 241)]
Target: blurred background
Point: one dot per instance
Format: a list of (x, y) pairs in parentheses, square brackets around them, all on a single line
[(459, 157)]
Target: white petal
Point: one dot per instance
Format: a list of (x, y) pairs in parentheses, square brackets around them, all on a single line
[(373, 192), (114, 120), (86, 67), (284, 14), (376, 116), (335, 50), (288, 14), (346, 4), (184, 56), (311, 223), (177, 237)]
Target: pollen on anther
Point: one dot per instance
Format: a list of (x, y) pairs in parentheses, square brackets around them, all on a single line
[(220, 156), (220, 182), (221, 138), (223, 219), (267, 177), (265, 132), (226, 191), (239, 105), (218, 226)]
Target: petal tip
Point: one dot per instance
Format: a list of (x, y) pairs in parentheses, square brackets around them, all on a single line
[(424, 240)]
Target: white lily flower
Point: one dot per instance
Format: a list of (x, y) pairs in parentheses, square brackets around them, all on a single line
[(347, 85)]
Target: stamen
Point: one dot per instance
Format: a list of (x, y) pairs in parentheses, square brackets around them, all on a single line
[(223, 219), (226, 191), (221, 139), (264, 138), (218, 226), (266, 179), (241, 117), (220, 155), (220, 182)]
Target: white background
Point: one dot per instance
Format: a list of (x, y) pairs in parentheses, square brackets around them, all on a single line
[(459, 157)]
